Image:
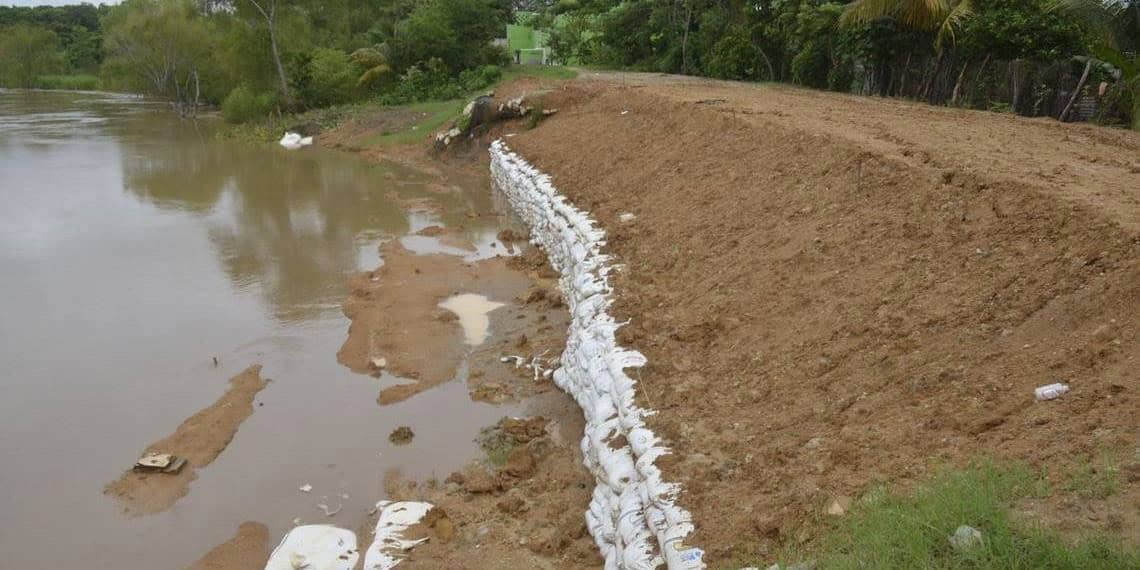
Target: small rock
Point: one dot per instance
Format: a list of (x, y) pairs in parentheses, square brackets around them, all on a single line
[(966, 538), (305, 488), (839, 506)]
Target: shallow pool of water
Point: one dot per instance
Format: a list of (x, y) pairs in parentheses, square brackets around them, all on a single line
[(135, 248)]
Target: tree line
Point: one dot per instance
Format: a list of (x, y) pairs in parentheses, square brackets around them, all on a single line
[(256, 57), (1069, 59), (1031, 57)]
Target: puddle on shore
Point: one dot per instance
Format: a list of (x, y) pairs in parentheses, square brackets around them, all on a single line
[(137, 248), (473, 312)]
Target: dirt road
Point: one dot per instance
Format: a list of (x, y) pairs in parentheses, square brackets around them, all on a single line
[(834, 291)]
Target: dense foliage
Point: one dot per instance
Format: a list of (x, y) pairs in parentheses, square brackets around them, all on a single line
[(1062, 58), (255, 57), (1027, 56)]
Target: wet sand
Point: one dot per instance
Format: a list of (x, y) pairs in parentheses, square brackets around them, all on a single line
[(199, 440), (247, 550)]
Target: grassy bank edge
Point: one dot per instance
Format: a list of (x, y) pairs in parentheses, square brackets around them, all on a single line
[(888, 528), (435, 113)]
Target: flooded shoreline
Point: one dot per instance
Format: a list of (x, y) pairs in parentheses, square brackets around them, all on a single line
[(151, 262)]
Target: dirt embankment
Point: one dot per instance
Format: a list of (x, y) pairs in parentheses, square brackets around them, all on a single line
[(199, 440), (833, 291)]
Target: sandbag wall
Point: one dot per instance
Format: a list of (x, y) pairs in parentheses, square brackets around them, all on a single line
[(633, 515)]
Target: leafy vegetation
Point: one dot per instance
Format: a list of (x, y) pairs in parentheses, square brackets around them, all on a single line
[(1029, 56), (892, 530)]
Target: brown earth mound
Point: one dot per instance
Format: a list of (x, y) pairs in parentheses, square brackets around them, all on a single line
[(199, 440), (833, 291)]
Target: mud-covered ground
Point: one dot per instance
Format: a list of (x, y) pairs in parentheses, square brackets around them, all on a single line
[(834, 291)]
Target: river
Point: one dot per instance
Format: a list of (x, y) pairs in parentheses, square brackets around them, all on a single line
[(136, 248)]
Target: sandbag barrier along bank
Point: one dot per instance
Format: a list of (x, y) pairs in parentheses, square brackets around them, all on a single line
[(633, 515)]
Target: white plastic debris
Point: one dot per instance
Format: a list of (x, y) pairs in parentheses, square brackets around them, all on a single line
[(305, 488), (388, 548), (627, 217), (315, 547), (294, 141), (966, 538), (1050, 391), (633, 515)]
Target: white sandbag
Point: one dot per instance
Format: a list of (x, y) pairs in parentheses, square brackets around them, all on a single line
[(632, 515), (388, 548), (294, 141), (315, 547)]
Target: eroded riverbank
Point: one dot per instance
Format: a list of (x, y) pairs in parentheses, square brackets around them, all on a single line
[(187, 258)]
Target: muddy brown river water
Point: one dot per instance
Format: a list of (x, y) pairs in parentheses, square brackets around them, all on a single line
[(134, 249)]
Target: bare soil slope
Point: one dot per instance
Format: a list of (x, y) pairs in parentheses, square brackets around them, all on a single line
[(833, 291)]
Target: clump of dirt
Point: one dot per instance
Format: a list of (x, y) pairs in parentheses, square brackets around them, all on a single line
[(199, 440), (402, 435), (247, 550), (833, 291)]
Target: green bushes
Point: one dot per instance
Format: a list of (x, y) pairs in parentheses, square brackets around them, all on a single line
[(79, 82), (733, 57), (330, 78), (431, 81), (243, 105)]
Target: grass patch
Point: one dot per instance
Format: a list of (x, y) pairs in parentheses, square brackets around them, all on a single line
[(540, 71), (890, 530), (1095, 479), (438, 113), (78, 82)]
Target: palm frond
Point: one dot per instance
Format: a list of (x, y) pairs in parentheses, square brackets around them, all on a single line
[(961, 12)]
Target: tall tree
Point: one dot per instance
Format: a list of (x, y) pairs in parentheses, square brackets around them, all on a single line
[(27, 52), (268, 10), (1116, 27), (161, 46)]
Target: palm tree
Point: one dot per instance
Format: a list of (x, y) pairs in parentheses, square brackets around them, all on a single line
[(374, 62), (941, 16), (1116, 25)]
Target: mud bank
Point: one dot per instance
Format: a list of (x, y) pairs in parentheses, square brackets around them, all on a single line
[(833, 291), (199, 440)]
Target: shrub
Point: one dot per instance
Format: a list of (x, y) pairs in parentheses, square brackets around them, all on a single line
[(330, 78), (424, 82), (733, 57), (243, 105), (480, 77), (811, 66)]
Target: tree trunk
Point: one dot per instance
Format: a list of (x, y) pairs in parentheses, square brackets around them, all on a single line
[(685, 42), (958, 85), (285, 96), (934, 77), (1136, 107), (768, 64), (905, 71), (1077, 93)]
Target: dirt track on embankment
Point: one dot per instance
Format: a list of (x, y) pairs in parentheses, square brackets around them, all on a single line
[(834, 291)]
